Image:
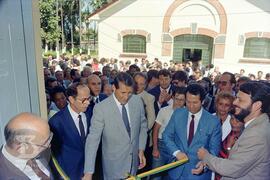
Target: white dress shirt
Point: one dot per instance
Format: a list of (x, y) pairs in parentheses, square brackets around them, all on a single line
[(119, 105), (75, 117), (163, 118), (168, 91), (21, 165), (226, 127), (197, 118)]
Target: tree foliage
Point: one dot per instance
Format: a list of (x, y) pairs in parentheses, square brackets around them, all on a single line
[(96, 4), (50, 33)]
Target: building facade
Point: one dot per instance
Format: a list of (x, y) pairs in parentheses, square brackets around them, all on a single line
[(227, 33)]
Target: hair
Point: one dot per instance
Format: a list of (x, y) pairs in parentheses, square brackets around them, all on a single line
[(196, 89), (55, 90), (164, 72), (72, 72), (49, 80), (224, 95), (179, 90), (243, 79), (152, 74), (11, 135), (134, 66), (124, 78), (259, 92), (232, 79), (140, 74), (72, 90), (181, 76)]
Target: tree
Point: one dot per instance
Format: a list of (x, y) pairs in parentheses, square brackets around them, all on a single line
[(50, 33), (96, 4)]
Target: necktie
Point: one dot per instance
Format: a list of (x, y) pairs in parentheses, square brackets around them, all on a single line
[(97, 100), (191, 130), (33, 164), (125, 119), (81, 127)]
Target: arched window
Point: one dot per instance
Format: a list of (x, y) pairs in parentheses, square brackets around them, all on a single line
[(257, 48), (134, 44)]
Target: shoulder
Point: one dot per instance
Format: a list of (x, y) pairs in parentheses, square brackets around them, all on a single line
[(211, 119), (59, 115), (154, 90)]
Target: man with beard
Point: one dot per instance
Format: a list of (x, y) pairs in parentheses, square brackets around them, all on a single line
[(249, 158)]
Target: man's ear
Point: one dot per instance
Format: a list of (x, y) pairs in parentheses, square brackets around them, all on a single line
[(71, 99), (257, 105), (113, 87)]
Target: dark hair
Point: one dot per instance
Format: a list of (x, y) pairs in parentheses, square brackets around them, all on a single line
[(181, 76), (72, 72), (72, 90), (140, 74), (49, 80), (164, 72), (196, 89), (243, 79), (259, 92), (134, 66), (152, 74), (179, 90), (55, 90), (232, 80), (124, 78)]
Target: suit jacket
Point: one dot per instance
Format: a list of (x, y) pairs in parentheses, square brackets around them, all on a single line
[(67, 145), (249, 158), (148, 101), (10, 172), (207, 135), (119, 151), (156, 92)]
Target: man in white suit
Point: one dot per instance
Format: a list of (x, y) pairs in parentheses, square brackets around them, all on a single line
[(120, 122), (249, 158)]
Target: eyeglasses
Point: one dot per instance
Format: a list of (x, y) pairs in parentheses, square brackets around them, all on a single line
[(85, 99), (223, 83), (45, 145)]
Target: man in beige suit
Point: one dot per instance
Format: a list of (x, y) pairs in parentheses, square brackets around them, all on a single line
[(249, 158)]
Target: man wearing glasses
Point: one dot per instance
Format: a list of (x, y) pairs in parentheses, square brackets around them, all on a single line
[(27, 136), (71, 127)]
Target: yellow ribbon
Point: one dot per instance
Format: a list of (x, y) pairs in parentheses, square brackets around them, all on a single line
[(59, 169)]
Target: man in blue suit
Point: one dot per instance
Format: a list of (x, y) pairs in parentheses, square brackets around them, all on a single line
[(70, 127), (189, 129), (163, 92)]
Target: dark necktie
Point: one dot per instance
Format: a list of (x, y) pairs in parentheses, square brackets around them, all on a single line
[(191, 130), (33, 164), (125, 119), (81, 127), (97, 100)]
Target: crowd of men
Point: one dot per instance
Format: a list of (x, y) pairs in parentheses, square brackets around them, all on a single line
[(110, 119)]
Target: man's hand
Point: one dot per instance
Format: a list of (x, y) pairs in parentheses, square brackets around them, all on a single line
[(199, 168), (202, 153), (155, 153), (161, 98), (180, 156), (87, 176), (142, 159)]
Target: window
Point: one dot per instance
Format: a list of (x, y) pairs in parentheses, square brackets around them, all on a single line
[(257, 48), (134, 44)]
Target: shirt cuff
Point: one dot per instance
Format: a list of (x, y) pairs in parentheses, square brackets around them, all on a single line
[(175, 152)]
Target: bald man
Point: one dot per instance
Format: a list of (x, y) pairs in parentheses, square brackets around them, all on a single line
[(94, 84), (27, 136)]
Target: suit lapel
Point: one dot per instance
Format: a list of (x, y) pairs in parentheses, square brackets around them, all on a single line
[(182, 130), (118, 117), (76, 137), (132, 120)]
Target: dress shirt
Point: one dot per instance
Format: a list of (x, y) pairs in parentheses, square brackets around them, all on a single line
[(75, 117), (119, 105), (197, 118), (168, 91), (247, 123), (21, 165), (163, 118), (95, 99)]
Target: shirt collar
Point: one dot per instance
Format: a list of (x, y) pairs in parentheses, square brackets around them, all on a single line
[(19, 163), (197, 115), (165, 89), (73, 114), (116, 100), (247, 123)]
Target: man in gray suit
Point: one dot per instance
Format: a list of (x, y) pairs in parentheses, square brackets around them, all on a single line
[(120, 122), (26, 137), (249, 158)]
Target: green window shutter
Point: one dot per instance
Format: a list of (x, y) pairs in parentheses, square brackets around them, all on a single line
[(134, 44), (257, 48)]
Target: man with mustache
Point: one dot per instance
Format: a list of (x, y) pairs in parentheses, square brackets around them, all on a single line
[(249, 158)]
